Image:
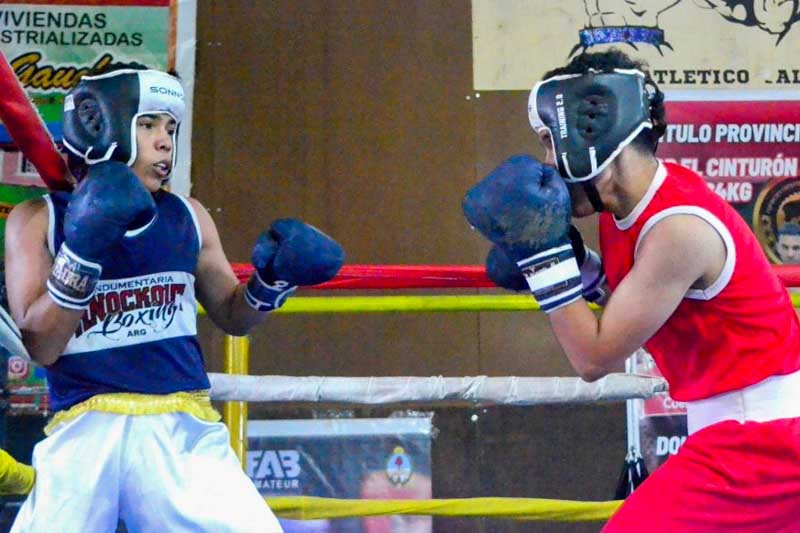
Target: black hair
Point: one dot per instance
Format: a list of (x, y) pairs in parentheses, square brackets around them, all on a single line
[(609, 60)]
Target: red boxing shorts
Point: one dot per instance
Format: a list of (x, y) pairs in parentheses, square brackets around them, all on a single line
[(726, 477)]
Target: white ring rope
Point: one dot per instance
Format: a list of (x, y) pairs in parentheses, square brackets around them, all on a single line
[(476, 389)]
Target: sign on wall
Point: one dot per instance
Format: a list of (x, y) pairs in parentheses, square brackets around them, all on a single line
[(749, 153), (51, 44), (363, 458), (656, 426), (689, 44)]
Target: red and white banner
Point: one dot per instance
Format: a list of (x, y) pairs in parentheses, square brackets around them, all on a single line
[(657, 425), (749, 152)]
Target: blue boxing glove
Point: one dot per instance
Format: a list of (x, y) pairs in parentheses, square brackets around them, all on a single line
[(106, 204), (523, 207), (505, 273), (289, 254)]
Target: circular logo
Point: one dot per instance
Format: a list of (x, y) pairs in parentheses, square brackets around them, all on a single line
[(398, 467), (776, 220), (17, 367)]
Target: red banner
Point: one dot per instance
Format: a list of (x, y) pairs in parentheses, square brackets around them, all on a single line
[(749, 152)]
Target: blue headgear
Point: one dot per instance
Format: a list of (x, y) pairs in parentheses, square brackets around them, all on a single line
[(591, 117), (100, 113)]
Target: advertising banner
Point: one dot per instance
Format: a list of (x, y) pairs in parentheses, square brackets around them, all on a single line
[(656, 426), (26, 387), (375, 458), (50, 45), (748, 152), (690, 44)]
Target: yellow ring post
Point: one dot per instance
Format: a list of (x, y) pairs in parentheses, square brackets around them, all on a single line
[(237, 359)]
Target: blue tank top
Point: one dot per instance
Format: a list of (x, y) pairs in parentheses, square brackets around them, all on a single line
[(139, 333)]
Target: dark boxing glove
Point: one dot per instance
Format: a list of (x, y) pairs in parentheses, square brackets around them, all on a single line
[(109, 202), (289, 254), (505, 273), (523, 207)]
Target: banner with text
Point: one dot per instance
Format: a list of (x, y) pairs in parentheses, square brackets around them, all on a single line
[(656, 426), (51, 45), (689, 44), (748, 152), (362, 458)]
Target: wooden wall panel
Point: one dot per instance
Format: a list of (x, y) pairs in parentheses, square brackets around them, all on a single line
[(357, 121)]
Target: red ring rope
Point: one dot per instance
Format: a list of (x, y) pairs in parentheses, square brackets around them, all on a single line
[(438, 276), (28, 131)]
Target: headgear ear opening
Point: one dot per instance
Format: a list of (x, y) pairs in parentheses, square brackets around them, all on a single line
[(90, 116), (100, 113)]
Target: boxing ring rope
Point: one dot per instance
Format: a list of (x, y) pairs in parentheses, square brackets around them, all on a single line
[(437, 277), (477, 390), (237, 390), (541, 509), (361, 277)]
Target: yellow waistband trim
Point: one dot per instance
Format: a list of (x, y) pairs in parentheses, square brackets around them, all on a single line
[(196, 403)]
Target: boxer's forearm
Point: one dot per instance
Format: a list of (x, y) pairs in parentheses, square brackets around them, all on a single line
[(46, 328)]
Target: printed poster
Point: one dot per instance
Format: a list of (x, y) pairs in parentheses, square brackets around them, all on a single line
[(748, 152), (689, 44), (656, 426), (26, 387), (367, 458), (51, 44)]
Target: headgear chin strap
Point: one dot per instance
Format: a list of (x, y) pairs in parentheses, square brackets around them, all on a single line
[(100, 113), (591, 117)]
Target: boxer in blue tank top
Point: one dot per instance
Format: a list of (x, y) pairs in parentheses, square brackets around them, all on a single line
[(104, 283)]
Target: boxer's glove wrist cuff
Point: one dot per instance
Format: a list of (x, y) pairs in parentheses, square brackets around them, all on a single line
[(73, 279), (553, 277), (593, 278), (266, 297)]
